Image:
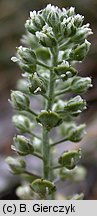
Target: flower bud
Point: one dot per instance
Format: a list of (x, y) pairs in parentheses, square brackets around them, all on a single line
[(69, 159), (37, 20), (30, 26), (75, 104), (71, 11), (22, 145), (75, 133), (43, 187), (17, 165), (49, 119), (67, 27), (78, 20), (49, 8), (81, 51), (81, 34), (19, 100), (53, 21), (46, 37), (80, 84), (37, 84), (22, 123), (26, 55)]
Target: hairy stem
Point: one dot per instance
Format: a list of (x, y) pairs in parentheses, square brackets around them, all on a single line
[(60, 92), (58, 142), (47, 154)]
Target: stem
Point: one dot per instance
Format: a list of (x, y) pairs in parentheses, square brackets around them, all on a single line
[(45, 96), (56, 167), (43, 65), (58, 142), (34, 135), (62, 92), (37, 155), (46, 154), (32, 112), (32, 174)]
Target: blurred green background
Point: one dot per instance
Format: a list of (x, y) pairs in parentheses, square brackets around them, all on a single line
[(13, 14)]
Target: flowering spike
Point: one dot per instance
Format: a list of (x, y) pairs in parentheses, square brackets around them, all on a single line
[(56, 39)]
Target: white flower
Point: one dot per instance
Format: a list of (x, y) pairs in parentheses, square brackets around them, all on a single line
[(47, 28), (21, 48), (32, 14), (71, 11), (78, 17), (52, 7), (87, 42), (64, 11), (14, 59), (39, 35)]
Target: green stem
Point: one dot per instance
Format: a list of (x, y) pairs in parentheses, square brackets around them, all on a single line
[(32, 112), (62, 92), (35, 135), (46, 154), (58, 142), (43, 65), (31, 174), (51, 91), (37, 155), (56, 167)]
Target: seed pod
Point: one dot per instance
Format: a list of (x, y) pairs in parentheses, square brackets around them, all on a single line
[(75, 104), (43, 187), (22, 85), (37, 85), (17, 165), (65, 70), (80, 84), (76, 133), (81, 51), (22, 145), (19, 100), (26, 55), (22, 123), (70, 159), (49, 119)]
